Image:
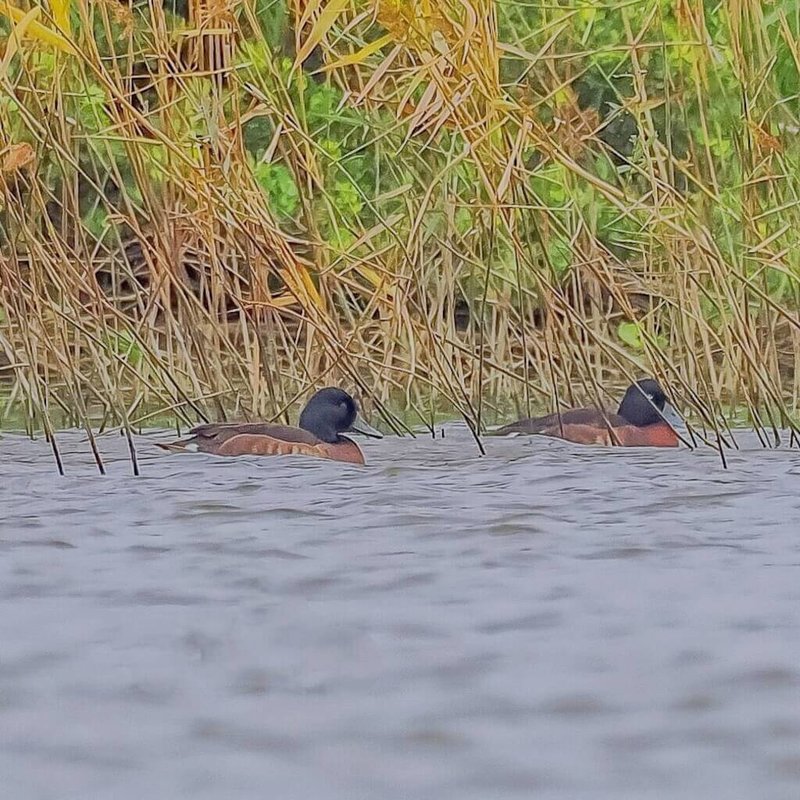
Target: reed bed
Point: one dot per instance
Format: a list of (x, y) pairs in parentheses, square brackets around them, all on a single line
[(467, 207)]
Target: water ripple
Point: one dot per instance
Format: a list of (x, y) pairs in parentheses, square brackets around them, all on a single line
[(549, 621)]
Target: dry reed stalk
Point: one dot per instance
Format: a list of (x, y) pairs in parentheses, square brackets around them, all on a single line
[(493, 253)]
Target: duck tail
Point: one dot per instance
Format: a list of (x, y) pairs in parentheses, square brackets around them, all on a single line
[(505, 430), (181, 446)]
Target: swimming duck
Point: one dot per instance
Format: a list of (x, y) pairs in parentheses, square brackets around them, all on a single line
[(644, 419), (328, 414)]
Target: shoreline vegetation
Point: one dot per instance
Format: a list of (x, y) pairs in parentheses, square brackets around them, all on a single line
[(468, 207)]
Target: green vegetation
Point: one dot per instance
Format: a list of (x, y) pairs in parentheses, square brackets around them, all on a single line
[(484, 206)]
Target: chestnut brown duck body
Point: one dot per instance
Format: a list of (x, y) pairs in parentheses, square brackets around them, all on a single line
[(330, 413), (644, 419)]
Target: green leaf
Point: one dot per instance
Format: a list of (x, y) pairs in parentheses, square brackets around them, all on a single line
[(124, 344), (347, 198), (321, 102), (96, 222), (630, 334), (332, 148), (278, 184), (463, 220), (559, 254)]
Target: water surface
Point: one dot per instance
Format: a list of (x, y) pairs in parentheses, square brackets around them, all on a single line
[(548, 621)]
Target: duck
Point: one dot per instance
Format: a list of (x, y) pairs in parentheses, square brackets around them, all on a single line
[(645, 418), (327, 415)]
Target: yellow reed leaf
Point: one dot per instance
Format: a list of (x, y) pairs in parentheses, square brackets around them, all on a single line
[(38, 31), (311, 289), (323, 24), (60, 11), (17, 35), (371, 275), (310, 7), (300, 283), (359, 56)]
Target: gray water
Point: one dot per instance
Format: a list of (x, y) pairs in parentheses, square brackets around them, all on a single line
[(549, 621)]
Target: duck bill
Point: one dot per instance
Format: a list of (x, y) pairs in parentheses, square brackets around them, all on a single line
[(671, 416), (359, 426)]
